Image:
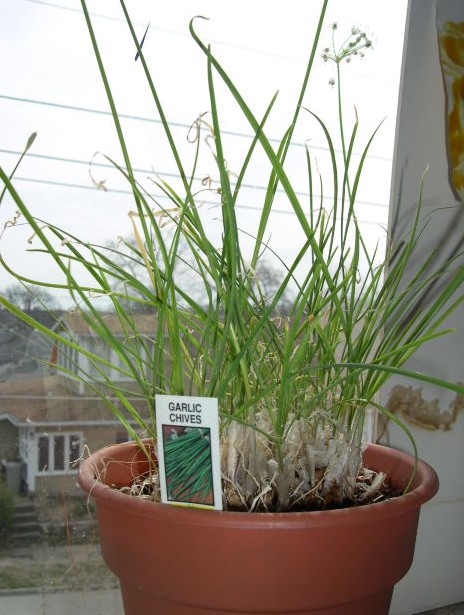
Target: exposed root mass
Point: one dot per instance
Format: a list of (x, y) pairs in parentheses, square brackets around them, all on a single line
[(311, 471)]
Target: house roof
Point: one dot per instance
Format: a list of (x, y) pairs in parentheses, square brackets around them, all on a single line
[(27, 396), (18, 340), (37, 398), (33, 423), (143, 323)]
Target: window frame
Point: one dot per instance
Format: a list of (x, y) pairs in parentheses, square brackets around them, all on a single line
[(69, 467)]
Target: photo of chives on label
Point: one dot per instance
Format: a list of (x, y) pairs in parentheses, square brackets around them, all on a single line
[(188, 464), (188, 450)]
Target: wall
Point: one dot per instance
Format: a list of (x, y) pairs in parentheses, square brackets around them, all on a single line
[(437, 575)]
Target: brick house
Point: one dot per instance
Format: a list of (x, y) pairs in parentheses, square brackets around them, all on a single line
[(49, 419)]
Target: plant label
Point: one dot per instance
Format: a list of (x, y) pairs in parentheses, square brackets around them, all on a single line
[(188, 451)]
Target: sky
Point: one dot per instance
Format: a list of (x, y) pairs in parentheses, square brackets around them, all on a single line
[(50, 84)]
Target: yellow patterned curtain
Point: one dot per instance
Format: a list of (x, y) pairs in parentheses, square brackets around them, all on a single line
[(451, 43)]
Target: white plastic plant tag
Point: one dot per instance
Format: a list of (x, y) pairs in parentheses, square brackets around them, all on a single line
[(188, 451)]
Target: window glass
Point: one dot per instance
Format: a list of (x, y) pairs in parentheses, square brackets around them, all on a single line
[(48, 419), (44, 451), (58, 458), (74, 450)]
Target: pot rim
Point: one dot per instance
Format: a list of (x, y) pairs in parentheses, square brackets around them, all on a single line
[(425, 486)]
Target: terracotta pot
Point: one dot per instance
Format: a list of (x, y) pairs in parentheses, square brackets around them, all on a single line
[(183, 561)]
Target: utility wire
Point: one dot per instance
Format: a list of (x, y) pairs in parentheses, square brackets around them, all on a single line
[(152, 120), (166, 30), (138, 118), (129, 192), (156, 197), (46, 103), (151, 172), (99, 15)]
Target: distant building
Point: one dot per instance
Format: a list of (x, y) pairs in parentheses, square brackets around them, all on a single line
[(77, 366), (50, 418)]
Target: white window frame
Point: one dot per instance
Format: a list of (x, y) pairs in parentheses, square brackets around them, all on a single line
[(69, 468)]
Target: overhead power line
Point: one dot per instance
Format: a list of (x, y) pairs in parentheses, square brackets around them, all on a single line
[(151, 120), (158, 173), (126, 116), (137, 118), (129, 192), (158, 197), (150, 172), (165, 30), (70, 9)]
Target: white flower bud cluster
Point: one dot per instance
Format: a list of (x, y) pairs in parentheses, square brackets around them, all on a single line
[(354, 46)]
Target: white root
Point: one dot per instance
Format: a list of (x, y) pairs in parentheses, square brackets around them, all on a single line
[(315, 469), (372, 489)]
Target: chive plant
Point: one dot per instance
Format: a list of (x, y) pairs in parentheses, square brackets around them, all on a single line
[(293, 388)]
